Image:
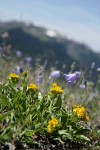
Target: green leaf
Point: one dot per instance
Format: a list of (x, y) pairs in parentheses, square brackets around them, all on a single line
[(83, 138), (58, 102), (66, 134), (7, 133), (31, 142), (38, 125), (28, 133)]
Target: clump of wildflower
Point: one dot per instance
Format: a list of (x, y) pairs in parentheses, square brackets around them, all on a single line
[(14, 77), (52, 124), (33, 87), (81, 112), (56, 89)]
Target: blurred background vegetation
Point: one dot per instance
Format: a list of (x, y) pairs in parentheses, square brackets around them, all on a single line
[(58, 51)]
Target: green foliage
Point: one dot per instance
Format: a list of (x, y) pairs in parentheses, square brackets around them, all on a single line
[(25, 114)]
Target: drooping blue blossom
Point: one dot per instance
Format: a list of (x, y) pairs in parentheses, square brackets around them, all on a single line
[(18, 70), (40, 79), (18, 53), (71, 78), (55, 74), (77, 74), (28, 59), (40, 73)]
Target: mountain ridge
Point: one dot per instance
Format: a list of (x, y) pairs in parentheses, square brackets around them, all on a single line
[(58, 50)]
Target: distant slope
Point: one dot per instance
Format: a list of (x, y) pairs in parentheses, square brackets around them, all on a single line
[(58, 50)]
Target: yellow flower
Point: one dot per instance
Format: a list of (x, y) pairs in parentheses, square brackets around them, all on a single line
[(76, 106), (52, 124), (50, 129), (33, 87), (81, 112), (86, 118), (13, 77), (56, 89)]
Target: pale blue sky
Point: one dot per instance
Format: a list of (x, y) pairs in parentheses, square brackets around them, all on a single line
[(76, 19)]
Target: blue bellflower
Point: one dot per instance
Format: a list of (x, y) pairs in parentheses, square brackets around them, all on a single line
[(18, 53), (18, 70), (40, 79), (55, 74), (71, 78), (29, 59)]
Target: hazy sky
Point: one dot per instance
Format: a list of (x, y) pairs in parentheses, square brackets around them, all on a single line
[(76, 19)]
